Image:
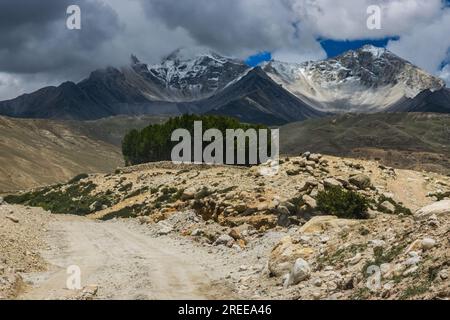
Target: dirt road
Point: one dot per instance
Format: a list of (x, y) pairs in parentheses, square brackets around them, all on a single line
[(122, 262)]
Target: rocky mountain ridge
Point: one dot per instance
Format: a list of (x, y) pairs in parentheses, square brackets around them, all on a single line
[(364, 81)]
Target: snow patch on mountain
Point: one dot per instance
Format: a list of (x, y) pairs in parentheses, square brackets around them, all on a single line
[(366, 80), (191, 74)]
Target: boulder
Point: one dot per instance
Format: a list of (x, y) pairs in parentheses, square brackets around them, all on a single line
[(428, 243), (285, 254), (300, 272), (323, 223), (315, 157), (224, 239), (388, 207), (310, 201), (361, 181), (441, 208), (1, 201), (235, 234), (331, 182), (165, 229), (188, 194)]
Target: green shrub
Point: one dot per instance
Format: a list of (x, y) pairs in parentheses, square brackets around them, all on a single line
[(76, 199), (342, 203), (398, 207)]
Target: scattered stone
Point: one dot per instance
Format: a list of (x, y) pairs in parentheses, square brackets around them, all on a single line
[(197, 233), (322, 223), (89, 292), (315, 157), (300, 272), (388, 207), (188, 194), (310, 201), (317, 282), (224, 239), (361, 181), (376, 243), (235, 234), (13, 219), (355, 259), (428, 243), (165, 230), (443, 274), (331, 182), (243, 268), (411, 270), (414, 260), (441, 208), (284, 255)]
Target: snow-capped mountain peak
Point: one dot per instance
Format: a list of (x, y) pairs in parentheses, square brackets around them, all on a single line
[(365, 80), (191, 74), (376, 52)]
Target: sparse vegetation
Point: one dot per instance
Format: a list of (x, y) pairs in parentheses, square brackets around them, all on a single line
[(342, 203), (398, 207), (76, 199), (127, 212)]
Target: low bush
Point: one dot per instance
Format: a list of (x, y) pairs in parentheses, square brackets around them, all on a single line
[(342, 203)]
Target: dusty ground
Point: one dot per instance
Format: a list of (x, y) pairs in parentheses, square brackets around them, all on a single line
[(118, 261), (22, 232), (196, 232)]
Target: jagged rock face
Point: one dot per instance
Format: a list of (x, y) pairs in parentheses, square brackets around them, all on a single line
[(189, 78), (366, 80)]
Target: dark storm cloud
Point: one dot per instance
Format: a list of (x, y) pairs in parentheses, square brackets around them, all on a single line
[(227, 25), (34, 37)]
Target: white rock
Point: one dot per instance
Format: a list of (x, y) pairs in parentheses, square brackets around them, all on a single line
[(413, 261), (224, 239), (331, 182), (410, 270), (440, 208), (317, 282), (428, 243), (388, 207), (377, 243), (355, 259), (165, 230), (310, 201), (300, 272)]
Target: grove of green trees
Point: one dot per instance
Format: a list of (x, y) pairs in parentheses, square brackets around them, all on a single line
[(153, 143)]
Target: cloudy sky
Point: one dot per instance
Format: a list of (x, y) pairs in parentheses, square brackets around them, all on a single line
[(37, 49)]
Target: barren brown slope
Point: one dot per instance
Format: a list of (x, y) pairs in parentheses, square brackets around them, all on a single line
[(42, 152)]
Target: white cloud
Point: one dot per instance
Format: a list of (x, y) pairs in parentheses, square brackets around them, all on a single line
[(347, 19), (445, 74), (153, 28), (425, 45)]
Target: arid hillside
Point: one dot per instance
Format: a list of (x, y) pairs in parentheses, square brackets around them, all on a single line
[(322, 228), (42, 152), (418, 141)]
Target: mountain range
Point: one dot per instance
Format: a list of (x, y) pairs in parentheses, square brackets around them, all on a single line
[(367, 80)]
